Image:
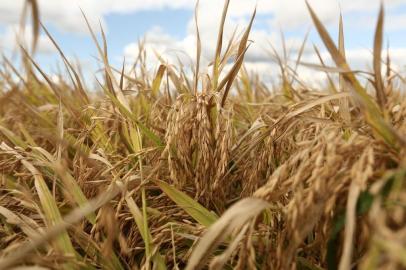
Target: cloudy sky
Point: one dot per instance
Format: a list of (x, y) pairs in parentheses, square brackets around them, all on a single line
[(168, 26)]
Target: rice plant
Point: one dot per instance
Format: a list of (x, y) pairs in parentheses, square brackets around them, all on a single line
[(167, 170)]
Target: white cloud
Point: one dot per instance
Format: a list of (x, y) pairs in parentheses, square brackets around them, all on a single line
[(66, 15), (166, 46), (294, 14), (393, 22), (12, 37), (62, 14)]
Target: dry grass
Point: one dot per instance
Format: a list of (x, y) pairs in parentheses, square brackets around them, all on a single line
[(163, 171)]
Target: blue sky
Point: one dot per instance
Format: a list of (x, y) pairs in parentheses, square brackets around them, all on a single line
[(168, 25)]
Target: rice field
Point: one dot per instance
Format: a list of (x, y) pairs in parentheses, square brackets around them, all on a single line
[(176, 169)]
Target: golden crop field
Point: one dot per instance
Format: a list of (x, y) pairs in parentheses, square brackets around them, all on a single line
[(179, 169)]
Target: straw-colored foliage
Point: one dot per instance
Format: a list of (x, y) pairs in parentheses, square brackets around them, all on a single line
[(165, 170)]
